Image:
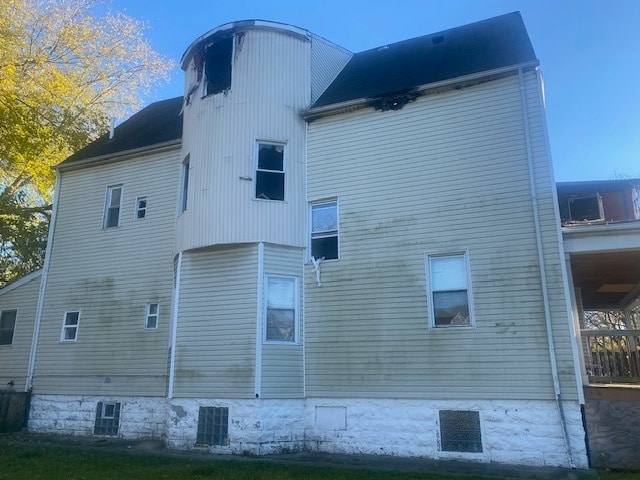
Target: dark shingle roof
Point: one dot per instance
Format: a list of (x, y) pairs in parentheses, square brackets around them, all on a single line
[(157, 123), (487, 45)]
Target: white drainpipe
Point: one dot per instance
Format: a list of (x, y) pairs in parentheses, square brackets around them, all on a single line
[(174, 326), (543, 273), (43, 287)]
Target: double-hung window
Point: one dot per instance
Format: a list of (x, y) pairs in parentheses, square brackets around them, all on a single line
[(151, 319), (141, 207), (449, 292), (324, 230), (112, 208), (184, 189), (281, 309), (270, 171), (7, 326), (70, 327)]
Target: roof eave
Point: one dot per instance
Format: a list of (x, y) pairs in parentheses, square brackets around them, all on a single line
[(356, 104)]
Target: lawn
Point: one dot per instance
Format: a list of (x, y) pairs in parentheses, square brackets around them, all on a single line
[(19, 460)]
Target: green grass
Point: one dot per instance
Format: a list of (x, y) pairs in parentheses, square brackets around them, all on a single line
[(27, 461)]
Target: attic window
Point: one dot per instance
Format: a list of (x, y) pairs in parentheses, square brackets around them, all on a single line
[(217, 66), (585, 209), (437, 39)]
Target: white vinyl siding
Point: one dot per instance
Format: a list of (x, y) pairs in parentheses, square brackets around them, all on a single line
[(216, 336), (21, 298), (110, 277), (447, 172)]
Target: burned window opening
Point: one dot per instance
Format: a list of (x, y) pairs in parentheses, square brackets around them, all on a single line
[(217, 66), (270, 172), (586, 208)]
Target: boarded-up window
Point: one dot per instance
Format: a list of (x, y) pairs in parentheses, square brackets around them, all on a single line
[(270, 172), (217, 66), (324, 230), (7, 326), (460, 431), (213, 426), (449, 292)]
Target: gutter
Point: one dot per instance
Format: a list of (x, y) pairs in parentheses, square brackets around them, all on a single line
[(43, 287), (435, 87), (543, 272)]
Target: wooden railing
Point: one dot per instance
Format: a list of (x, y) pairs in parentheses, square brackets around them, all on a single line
[(612, 356)]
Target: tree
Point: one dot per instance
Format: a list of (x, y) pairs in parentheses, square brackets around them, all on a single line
[(66, 68)]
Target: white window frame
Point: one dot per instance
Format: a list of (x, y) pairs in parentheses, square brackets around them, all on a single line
[(283, 172), (108, 206), (296, 314), (15, 321), (63, 338), (149, 315), (141, 209), (104, 415), (464, 254), (184, 184), (323, 234)]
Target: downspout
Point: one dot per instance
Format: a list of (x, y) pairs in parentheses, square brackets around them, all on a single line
[(259, 321), (174, 326), (43, 287), (543, 273)]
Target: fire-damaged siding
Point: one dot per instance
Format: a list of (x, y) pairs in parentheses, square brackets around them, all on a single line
[(21, 297), (215, 351), (447, 173), (109, 275), (282, 364)]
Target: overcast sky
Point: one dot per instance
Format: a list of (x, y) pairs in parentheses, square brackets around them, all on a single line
[(589, 53)]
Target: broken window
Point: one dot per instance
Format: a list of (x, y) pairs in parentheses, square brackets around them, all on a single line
[(281, 309), (270, 172), (324, 230), (185, 183), (449, 292), (112, 208), (213, 426), (7, 326), (587, 208), (217, 66), (460, 431), (107, 419)]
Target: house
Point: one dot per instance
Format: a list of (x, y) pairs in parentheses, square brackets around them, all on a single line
[(316, 249)]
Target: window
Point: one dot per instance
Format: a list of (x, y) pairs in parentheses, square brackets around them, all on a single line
[(460, 431), (7, 326), (141, 207), (270, 172), (151, 321), (281, 309), (70, 327), (449, 292), (324, 230), (107, 419), (213, 426), (112, 209), (217, 66), (587, 208), (185, 183)]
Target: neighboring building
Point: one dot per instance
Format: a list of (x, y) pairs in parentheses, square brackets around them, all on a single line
[(315, 249)]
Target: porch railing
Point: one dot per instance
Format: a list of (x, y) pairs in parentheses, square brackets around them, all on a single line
[(612, 356)]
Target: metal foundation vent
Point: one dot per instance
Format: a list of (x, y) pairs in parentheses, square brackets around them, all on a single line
[(460, 431), (107, 419), (213, 426)]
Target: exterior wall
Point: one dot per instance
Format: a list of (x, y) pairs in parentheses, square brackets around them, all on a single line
[(327, 60), (216, 334), (521, 432), (14, 358), (257, 427), (270, 86), (282, 365), (109, 275), (140, 417), (447, 173)]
